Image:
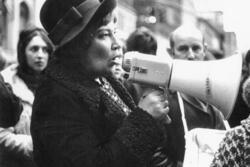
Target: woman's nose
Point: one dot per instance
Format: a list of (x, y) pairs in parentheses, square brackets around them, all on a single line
[(115, 43), (41, 53), (115, 46)]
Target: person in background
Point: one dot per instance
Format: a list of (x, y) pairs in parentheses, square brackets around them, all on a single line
[(209, 56), (10, 105), (10, 110), (217, 54), (245, 66), (241, 110), (186, 112), (82, 115), (234, 150), (246, 92), (144, 41), (33, 52)]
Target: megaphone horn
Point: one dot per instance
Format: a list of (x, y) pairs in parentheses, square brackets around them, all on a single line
[(216, 81)]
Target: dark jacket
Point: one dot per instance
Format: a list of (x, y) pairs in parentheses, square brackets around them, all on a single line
[(75, 124), (10, 105), (14, 149), (195, 118), (240, 110)]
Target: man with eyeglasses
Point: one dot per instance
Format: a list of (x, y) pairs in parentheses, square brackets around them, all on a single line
[(187, 112)]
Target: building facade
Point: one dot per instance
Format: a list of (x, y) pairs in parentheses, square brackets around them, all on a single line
[(16, 15), (127, 18), (163, 16)]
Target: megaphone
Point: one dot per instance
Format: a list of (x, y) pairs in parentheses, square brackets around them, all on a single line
[(216, 81)]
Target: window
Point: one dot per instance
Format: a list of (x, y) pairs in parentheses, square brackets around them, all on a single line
[(24, 16)]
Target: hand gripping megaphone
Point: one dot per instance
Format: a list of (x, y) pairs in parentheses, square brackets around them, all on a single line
[(216, 81)]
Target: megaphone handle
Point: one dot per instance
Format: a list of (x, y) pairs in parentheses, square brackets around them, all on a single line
[(168, 119)]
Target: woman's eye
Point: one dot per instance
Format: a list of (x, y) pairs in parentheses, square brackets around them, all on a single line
[(103, 34), (45, 49), (37, 48), (34, 49)]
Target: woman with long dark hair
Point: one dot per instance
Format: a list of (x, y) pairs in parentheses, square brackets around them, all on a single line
[(33, 52)]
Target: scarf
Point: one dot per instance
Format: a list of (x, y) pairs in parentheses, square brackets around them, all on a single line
[(108, 90), (30, 78)]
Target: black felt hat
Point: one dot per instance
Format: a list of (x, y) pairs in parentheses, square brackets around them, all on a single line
[(65, 19)]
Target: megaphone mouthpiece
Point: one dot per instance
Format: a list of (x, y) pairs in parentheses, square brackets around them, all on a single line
[(147, 69)]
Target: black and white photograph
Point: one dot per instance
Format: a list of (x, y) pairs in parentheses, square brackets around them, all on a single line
[(124, 83)]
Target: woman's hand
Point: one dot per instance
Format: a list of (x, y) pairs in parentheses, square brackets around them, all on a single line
[(156, 104)]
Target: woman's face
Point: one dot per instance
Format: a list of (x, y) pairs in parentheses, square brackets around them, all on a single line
[(37, 54), (101, 53)]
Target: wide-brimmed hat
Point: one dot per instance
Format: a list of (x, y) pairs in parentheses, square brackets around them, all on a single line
[(65, 19)]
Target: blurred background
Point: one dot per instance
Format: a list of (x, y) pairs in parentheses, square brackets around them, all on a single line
[(224, 22)]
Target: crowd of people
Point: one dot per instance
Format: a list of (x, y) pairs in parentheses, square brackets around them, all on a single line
[(67, 101)]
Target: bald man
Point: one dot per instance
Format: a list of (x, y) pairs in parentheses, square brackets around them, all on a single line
[(187, 112), (187, 42)]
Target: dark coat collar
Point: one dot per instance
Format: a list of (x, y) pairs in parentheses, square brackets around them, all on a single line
[(87, 89), (68, 76)]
